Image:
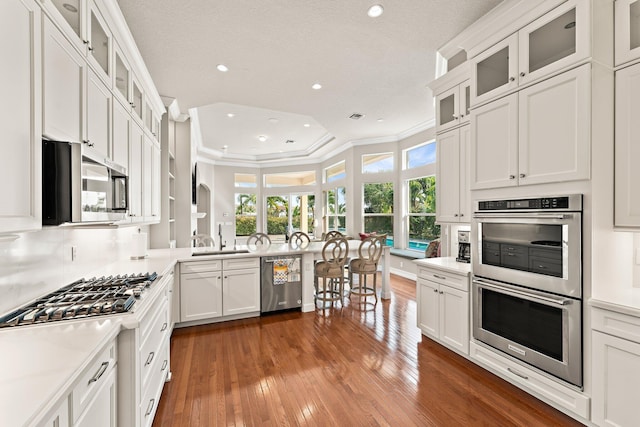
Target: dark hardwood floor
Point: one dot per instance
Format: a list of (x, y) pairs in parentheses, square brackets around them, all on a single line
[(336, 367)]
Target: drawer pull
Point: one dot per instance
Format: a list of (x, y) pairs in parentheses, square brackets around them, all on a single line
[(150, 407), (514, 372), (439, 277), (100, 372), (164, 364), (541, 267), (149, 358), (164, 327)]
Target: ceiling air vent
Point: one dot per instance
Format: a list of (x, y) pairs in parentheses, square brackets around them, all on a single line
[(289, 141), (356, 116)]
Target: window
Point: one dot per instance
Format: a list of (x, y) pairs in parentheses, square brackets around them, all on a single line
[(375, 163), (335, 172), (378, 208), (290, 179), (245, 180), (421, 213), (288, 213), (420, 155), (246, 220), (336, 210)]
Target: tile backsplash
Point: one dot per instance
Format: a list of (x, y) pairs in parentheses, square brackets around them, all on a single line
[(40, 262)]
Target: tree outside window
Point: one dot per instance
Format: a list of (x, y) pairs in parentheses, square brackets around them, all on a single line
[(378, 208), (246, 223), (422, 212)]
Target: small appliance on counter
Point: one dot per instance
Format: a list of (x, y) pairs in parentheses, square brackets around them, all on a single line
[(464, 247)]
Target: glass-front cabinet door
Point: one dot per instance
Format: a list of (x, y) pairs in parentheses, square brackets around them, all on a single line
[(627, 31), (99, 42), (138, 99), (495, 70), (447, 111), (558, 39), (122, 77), (71, 11)]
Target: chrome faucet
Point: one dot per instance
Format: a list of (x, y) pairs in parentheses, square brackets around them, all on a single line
[(222, 244)]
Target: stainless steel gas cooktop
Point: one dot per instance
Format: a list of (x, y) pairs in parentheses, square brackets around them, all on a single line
[(83, 298)]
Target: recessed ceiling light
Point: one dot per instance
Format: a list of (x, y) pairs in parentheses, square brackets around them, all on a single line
[(380, 120), (224, 147), (316, 86), (230, 115), (70, 7), (375, 11), (273, 120), (222, 67), (262, 138), (306, 125)]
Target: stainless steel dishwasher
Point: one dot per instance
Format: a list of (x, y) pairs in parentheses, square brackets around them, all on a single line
[(281, 283)]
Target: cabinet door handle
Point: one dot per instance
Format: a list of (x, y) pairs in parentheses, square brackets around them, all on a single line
[(85, 41), (435, 290), (164, 365), (150, 407), (511, 254), (512, 177), (455, 117), (100, 372), (164, 327), (542, 267), (226, 277), (439, 277), (441, 292), (149, 358), (461, 115), (512, 79), (522, 74), (522, 175), (461, 215), (90, 49), (455, 215)]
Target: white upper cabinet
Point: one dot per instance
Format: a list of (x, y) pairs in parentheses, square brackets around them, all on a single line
[(538, 135), (120, 135), (627, 31), (627, 149), (452, 170), (137, 100), (98, 110), (453, 106), (63, 78), (99, 43), (494, 144), (21, 109), (548, 45), (135, 173)]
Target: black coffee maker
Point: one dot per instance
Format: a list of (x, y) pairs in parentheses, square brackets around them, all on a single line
[(464, 247)]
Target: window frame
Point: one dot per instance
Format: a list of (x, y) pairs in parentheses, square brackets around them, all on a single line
[(336, 215), (408, 214), (362, 163), (392, 214)]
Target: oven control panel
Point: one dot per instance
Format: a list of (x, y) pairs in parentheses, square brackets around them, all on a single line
[(561, 203)]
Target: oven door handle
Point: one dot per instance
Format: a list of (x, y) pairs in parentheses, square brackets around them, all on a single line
[(524, 295), (517, 215)]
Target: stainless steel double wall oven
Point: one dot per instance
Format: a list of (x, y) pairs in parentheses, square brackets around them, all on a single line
[(527, 284)]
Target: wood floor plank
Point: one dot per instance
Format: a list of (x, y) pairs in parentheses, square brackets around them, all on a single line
[(357, 365)]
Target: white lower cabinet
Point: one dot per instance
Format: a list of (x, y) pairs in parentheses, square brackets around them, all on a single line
[(218, 288), (94, 397), (144, 363), (443, 307), (615, 369), (59, 417)]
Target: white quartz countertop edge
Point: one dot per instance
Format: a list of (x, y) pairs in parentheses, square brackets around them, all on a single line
[(624, 301), (40, 364), (446, 264)]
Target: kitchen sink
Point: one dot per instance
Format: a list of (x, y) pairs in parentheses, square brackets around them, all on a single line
[(223, 252)]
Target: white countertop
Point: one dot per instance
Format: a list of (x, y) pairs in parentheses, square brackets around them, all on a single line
[(446, 263), (39, 364), (625, 301)]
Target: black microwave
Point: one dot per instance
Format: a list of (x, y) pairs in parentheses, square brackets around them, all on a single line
[(80, 186)]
